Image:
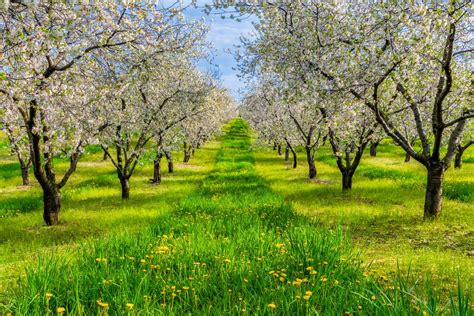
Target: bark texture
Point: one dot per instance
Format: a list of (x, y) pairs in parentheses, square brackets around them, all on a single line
[(434, 193), (125, 184), (169, 158), (311, 164), (52, 206), (373, 149)]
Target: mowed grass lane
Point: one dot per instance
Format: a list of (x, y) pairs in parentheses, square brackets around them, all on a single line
[(233, 247)]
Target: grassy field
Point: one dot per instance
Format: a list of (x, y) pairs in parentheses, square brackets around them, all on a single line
[(383, 215), (91, 207), (251, 237)]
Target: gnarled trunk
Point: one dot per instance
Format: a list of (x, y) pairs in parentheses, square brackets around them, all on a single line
[(295, 160), (407, 157), (169, 158), (52, 205), (279, 150), (347, 180), (187, 153), (311, 165), (187, 156), (125, 184), (287, 153), (458, 160), (105, 156), (434, 192), (373, 149), (25, 175), (157, 170)]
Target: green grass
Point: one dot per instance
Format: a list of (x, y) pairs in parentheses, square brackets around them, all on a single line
[(383, 213), (232, 247), (91, 206)]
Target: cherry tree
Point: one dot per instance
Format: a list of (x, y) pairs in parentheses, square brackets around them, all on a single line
[(348, 141), (416, 58), (47, 53), (11, 123), (464, 144), (405, 61), (218, 107), (266, 115), (148, 109)]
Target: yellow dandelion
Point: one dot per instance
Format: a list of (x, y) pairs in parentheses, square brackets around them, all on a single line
[(185, 288), (49, 296), (373, 298), (279, 245), (272, 306), (129, 306), (60, 310), (227, 260), (102, 304)]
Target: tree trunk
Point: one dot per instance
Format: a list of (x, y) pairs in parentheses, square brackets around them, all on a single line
[(347, 180), (52, 205), (407, 157), (287, 153), (25, 175), (125, 183), (169, 158), (192, 152), (434, 192), (311, 165), (373, 149), (157, 170), (279, 150), (275, 146), (458, 159), (295, 160), (187, 156), (105, 156), (187, 153)]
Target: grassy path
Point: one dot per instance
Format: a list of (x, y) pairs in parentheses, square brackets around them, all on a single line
[(233, 247)]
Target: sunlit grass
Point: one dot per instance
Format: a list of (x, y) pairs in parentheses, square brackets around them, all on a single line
[(234, 246), (91, 206), (383, 213)]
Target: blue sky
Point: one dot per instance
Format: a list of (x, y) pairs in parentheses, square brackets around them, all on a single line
[(224, 34)]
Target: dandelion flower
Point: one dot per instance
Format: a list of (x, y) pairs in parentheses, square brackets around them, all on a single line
[(373, 298), (102, 304), (129, 306), (60, 310), (49, 296), (272, 306)]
